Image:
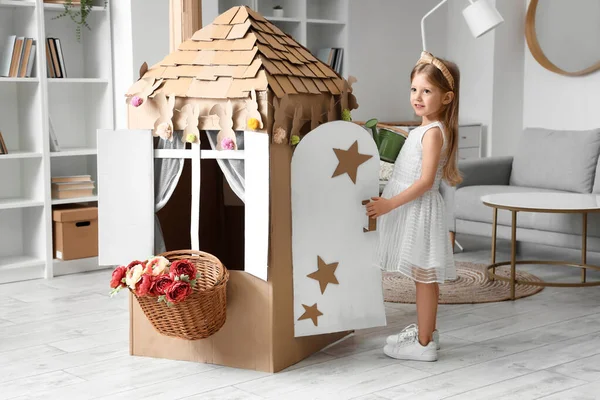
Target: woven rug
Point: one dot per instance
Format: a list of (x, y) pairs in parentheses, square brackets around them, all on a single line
[(471, 286)]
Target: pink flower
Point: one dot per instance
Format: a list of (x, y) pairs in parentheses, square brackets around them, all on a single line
[(117, 277), (136, 101), (227, 144)]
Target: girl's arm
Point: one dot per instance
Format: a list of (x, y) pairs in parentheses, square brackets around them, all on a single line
[(432, 149)]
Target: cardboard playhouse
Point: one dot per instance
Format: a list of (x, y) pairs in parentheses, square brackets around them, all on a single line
[(241, 90)]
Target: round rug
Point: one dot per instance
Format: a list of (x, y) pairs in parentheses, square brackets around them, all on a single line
[(471, 286)]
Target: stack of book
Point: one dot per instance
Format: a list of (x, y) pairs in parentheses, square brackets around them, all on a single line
[(68, 187), (54, 59), (18, 57)]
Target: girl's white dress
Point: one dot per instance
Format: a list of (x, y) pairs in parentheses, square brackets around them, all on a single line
[(413, 238)]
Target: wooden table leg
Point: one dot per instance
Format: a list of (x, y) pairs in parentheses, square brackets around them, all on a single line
[(584, 247), (494, 229), (513, 254)]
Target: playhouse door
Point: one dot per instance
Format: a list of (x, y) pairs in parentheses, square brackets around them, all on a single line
[(335, 168), (125, 196)]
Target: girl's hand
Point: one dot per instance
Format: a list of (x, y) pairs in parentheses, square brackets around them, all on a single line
[(379, 206)]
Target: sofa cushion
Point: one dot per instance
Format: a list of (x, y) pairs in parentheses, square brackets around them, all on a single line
[(561, 160), (596, 188), (470, 207)]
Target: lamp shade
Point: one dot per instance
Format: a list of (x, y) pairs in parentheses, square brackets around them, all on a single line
[(482, 16)]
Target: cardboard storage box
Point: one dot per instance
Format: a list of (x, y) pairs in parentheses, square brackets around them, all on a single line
[(75, 232)]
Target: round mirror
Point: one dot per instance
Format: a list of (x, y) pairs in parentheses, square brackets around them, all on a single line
[(564, 36)]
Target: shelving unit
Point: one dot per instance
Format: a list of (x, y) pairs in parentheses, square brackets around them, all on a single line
[(77, 105), (315, 24)]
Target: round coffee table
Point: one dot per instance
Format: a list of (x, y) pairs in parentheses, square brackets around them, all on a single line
[(541, 202)]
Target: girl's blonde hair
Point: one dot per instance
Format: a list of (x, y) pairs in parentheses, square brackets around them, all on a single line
[(436, 71)]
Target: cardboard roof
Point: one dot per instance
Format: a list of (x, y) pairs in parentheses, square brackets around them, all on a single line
[(240, 51)]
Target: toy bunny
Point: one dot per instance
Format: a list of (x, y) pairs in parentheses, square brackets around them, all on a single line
[(253, 117), (226, 138), (280, 125), (163, 126), (139, 92), (191, 116)]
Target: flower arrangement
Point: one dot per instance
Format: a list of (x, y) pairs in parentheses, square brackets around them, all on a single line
[(169, 282)]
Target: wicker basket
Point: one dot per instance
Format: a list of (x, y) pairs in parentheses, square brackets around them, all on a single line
[(203, 312)]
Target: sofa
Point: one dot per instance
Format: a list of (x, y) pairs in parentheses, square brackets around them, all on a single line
[(545, 161)]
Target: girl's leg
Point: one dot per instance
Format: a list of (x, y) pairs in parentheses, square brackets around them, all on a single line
[(437, 299), (426, 310)]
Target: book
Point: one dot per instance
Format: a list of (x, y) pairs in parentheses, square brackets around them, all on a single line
[(3, 149), (16, 57), (6, 57), (61, 186), (31, 61), (61, 60), (25, 55), (70, 194), (72, 178)]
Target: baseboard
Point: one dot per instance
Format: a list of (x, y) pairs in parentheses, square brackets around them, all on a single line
[(77, 266)]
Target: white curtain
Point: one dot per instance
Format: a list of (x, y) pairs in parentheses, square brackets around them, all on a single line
[(167, 172), (232, 169)]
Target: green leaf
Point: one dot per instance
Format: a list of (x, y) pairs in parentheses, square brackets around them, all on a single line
[(184, 278)]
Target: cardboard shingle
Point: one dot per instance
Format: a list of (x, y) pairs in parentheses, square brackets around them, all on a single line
[(272, 67), (281, 66), (245, 43), (298, 85), (238, 31), (240, 17), (178, 87), (275, 86), (226, 17), (310, 85), (306, 71), (252, 70)]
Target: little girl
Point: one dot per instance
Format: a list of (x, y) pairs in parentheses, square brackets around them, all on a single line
[(414, 236)]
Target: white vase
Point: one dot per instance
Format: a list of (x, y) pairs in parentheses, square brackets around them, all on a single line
[(278, 13)]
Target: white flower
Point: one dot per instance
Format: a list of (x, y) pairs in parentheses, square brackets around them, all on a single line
[(158, 264), (134, 275)]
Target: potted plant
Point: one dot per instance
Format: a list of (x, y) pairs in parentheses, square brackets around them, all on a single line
[(78, 11), (278, 11)]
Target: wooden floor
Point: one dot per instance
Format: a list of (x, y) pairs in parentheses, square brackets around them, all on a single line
[(65, 339)]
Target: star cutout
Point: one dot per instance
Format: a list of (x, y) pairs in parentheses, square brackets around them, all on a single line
[(349, 161), (311, 312), (325, 274)]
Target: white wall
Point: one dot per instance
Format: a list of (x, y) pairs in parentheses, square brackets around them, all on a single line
[(509, 54), (475, 59), (556, 101), (122, 57), (141, 33), (385, 44)]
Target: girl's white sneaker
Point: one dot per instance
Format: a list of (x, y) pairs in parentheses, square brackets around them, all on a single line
[(407, 332), (411, 349)]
